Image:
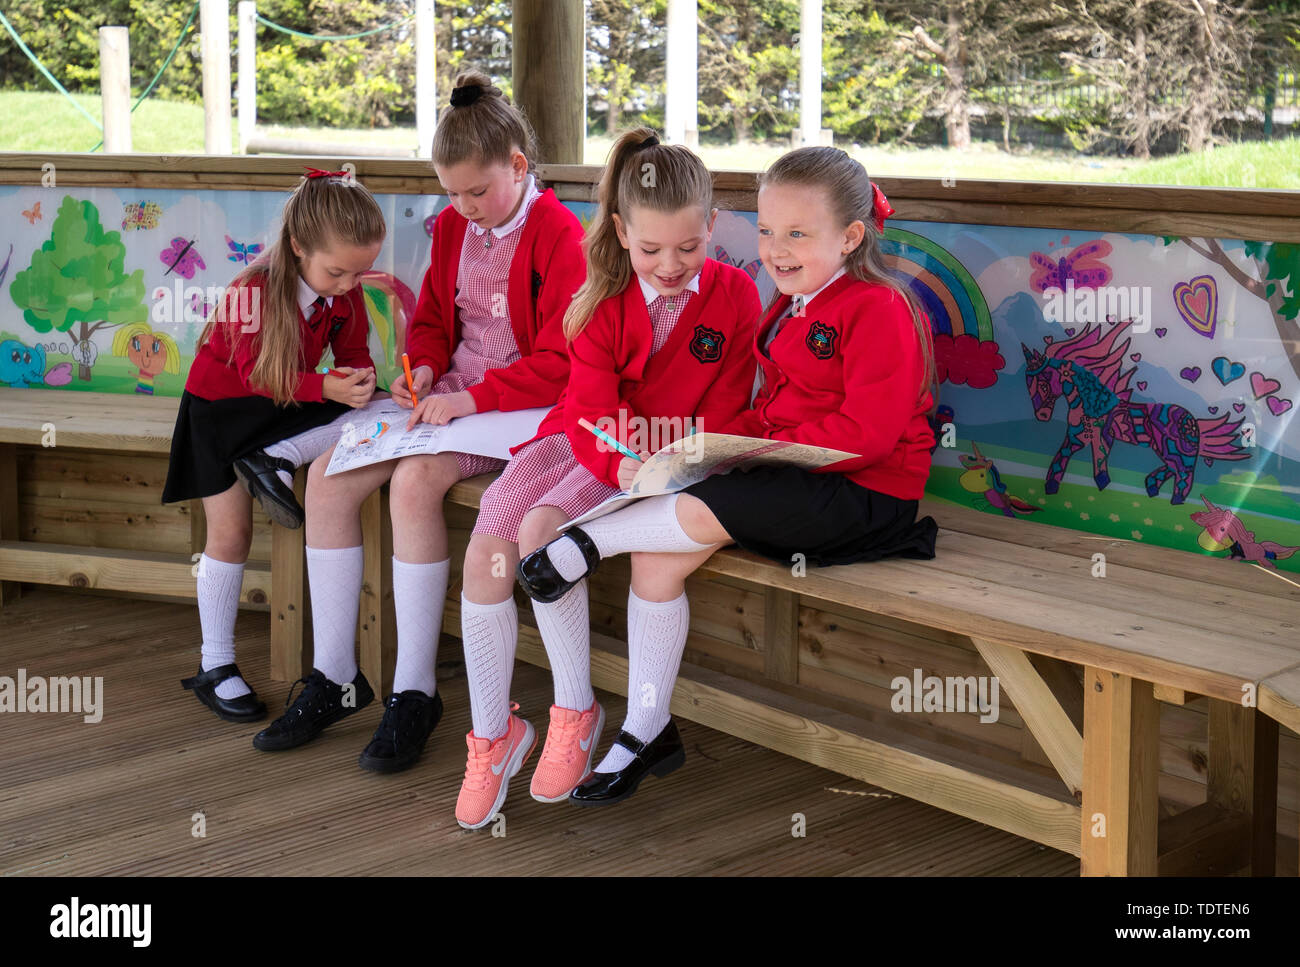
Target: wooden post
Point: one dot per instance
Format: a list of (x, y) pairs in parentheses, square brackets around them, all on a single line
[(376, 620), (214, 27), (247, 53), (115, 88), (288, 565), (550, 75), (810, 71), (1242, 775), (680, 114), (781, 635), (1121, 769), (9, 590), (426, 77)]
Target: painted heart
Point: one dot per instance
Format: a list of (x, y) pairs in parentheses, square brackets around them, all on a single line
[(1160, 333), (1226, 370), (1278, 406), (1047, 339), (1069, 332), (1142, 384), (1262, 385), (1238, 406), (1190, 373), (1197, 302), (1214, 409), (1136, 357)]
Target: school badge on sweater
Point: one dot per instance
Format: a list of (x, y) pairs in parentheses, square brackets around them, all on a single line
[(706, 344), (821, 340)]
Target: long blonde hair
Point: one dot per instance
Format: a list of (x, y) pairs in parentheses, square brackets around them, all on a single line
[(321, 212), (851, 199), (665, 178), (485, 128)]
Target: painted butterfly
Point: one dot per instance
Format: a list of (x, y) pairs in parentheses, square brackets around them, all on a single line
[(140, 214), (33, 213), (1083, 265), (242, 253), (752, 268), (183, 257)]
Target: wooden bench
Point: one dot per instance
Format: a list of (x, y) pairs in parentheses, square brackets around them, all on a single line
[(1084, 660)]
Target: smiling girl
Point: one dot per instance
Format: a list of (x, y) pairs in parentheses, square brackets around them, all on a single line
[(846, 363)]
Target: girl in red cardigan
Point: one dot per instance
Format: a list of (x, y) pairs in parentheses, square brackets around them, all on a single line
[(254, 408), (659, 336), (846, 362), (486, 335)]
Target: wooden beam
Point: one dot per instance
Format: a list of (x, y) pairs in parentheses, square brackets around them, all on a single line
[(288, 565), (376, 619), (1121, 767), (1242, 775), (549, 74), (106, 568), (1043, 714), (1205, 840), (9, 590), (781, 635)]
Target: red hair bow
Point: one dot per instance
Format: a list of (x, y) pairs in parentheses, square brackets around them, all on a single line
[(880, 208), (317, 173)]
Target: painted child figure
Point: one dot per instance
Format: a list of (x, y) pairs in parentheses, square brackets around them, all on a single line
[(659, 338), (487, 335), (846, 362), (253, 386)]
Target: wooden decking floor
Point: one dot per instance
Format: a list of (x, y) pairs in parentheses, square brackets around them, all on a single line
[(119, 797)]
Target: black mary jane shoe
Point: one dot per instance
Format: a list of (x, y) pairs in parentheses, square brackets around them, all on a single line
[(409, 719), (321, 703), (257, 472), (245, 708), (538, 577), (658, 757)]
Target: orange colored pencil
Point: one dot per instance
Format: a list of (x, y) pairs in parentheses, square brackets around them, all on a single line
[(410, 383)]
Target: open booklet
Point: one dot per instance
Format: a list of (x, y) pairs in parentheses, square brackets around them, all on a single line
[(377, 432), (693, 458)]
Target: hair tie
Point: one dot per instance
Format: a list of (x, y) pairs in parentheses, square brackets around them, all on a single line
[(647, 143), (463, 96), (317, 173), (880, 209)]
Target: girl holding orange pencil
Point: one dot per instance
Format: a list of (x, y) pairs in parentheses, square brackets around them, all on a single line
[(486, 335)]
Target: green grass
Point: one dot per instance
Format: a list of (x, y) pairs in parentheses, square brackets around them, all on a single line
[(35, 122)]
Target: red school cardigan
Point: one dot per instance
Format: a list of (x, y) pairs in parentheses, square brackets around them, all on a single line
[(704, 370), (547, 269), (223, 365), (847, 375)]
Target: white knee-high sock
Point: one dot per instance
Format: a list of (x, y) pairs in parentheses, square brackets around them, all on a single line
[(302, 448), (218, 591), (647, 525), (656, 638), (335, 576), (566, 633), (419, 592), (490, 633)]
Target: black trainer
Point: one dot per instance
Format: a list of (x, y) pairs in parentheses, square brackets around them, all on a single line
[(409, 719), (320, 704)]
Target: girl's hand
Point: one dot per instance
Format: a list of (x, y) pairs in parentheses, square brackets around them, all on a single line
[(353, 390), (442, 409), (627, 470), (423, 376)]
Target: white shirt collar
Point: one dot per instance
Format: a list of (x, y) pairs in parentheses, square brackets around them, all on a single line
[(307, 295), (829, 282), (650, 294), (501, 231)]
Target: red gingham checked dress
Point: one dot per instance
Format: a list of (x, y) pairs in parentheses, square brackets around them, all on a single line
[(545, 473)]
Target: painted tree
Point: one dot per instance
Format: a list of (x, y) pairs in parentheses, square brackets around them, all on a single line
[(78, 277)]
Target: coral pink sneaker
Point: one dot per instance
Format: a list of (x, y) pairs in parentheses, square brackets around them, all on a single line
[(570, 747), (491, 765)]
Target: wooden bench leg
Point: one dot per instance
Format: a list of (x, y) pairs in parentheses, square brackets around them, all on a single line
[(288, 567), (781, 635), (378, 623), (9, 590), (1121, 768), (1242, 775)]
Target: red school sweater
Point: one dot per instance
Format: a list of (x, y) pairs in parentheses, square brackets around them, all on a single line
[(847, 375), (224, 364), (704, 370), (547, 269)]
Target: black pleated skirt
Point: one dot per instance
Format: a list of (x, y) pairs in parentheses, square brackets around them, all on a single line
[(780, 511), (211, 434)]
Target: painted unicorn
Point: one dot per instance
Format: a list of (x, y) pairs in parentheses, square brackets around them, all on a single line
[(1224, 531), (1088, 371)]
